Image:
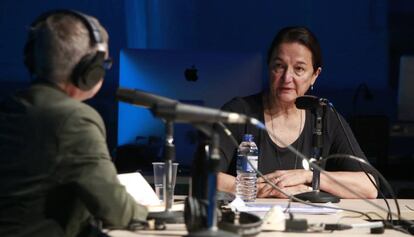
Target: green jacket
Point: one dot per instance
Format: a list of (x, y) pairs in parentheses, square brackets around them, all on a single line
[(55, 168)]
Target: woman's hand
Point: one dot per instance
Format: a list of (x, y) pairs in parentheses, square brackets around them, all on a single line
[(297, 181), (287, 178), (265, 190), (289, 181)]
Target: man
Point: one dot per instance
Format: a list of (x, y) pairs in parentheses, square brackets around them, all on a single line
[(55, 168)]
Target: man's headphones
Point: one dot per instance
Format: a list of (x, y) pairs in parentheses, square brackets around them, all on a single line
[(243, 224), (90, 69)]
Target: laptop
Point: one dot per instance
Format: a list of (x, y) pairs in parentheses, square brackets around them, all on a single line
[(195, 77)]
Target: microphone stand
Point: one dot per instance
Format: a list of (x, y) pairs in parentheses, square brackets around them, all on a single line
[(213, 163), (168, 216), (317, 196)]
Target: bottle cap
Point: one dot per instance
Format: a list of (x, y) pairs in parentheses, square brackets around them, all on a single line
[(247, 137)]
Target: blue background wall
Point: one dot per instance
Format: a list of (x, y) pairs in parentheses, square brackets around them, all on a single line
[(353, 34), (361, 40)]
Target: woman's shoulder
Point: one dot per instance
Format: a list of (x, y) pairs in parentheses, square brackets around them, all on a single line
[(334, 118), (333, 121), (244, 104)]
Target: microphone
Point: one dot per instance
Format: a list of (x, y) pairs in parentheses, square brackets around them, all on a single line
[(180, 112), (310, 102), (141, 98), (317, 106)]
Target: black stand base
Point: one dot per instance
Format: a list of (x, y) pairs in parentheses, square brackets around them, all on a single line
[(317, 197), (211, 233), (167, 216)]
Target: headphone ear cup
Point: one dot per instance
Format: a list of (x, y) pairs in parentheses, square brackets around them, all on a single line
[(247, 224), (195, 214), (89, 71)]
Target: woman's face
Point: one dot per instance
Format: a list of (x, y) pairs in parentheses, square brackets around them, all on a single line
[(291, 72)]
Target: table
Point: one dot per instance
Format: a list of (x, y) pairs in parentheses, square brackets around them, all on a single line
[(406, 206)]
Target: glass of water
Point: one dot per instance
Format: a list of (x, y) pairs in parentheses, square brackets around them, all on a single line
[(159, 171)]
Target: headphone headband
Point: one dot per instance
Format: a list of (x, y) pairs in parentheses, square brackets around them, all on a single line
[(94, 33)]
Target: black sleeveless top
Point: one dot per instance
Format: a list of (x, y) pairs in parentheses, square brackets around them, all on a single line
[(273, 157)]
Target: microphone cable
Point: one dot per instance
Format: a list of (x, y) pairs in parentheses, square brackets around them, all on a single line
[(389, 215), (290, 197), (306, 102), (262, 126), (314, 166), (387, 185)]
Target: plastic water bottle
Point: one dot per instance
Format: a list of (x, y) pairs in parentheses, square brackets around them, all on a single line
[(246, 187)]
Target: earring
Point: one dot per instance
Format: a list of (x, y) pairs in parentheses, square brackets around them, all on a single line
[(311, 87)]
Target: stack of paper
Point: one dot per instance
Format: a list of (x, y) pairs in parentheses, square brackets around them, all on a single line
[(139, 188), (294, 207), (142, 192)]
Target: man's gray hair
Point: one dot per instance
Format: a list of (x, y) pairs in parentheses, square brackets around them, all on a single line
[(59, 44)]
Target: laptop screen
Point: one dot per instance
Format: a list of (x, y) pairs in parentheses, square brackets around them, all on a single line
[(202, 78)]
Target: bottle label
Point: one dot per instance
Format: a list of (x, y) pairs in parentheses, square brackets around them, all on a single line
[(244, 165)]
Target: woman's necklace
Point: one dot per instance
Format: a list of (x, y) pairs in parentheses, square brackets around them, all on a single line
[(276, 139)]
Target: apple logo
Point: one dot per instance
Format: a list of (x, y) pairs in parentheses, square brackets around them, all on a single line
[(191, 73)]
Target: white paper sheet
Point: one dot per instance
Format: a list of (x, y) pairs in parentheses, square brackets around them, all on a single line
[(294, 207), (139, 188)]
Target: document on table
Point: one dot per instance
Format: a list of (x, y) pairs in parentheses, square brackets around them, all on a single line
[(294, 207), (136, 185)]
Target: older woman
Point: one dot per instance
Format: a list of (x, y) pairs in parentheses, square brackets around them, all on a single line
[(295, 62)]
